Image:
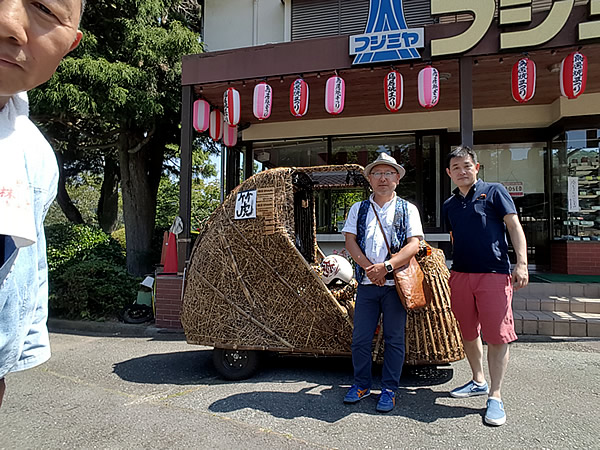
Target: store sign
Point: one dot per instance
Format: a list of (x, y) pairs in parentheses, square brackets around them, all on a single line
[(511, 12), (386, 37), (573, 194), (245, 205), (514, 188)]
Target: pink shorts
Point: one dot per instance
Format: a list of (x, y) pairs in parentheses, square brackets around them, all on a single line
[(482, 302)]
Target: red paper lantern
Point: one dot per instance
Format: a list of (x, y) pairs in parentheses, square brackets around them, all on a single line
[(335, 94), (201, 115), (573, 75), (215, 129), (429, 87), (299, 97), (231, 106), (393, 90), (523, 80), (230, 135), (263, 100)]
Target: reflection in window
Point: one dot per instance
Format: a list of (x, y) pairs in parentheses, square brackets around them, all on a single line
[(291, 153), (576, 185), (420, 185), (520, 168)]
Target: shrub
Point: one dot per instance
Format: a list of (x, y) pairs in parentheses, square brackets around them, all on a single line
[(87, 274)]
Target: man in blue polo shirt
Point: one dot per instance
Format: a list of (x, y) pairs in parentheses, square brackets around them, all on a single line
[(478, 214)]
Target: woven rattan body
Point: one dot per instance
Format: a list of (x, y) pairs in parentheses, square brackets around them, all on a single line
[(249, 284)]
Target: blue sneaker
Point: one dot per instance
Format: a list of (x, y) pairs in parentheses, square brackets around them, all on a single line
[(387, 400), (495, 415), (469, 390), (355, 394)]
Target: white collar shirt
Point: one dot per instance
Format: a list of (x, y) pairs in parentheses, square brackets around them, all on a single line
[(375, 248)]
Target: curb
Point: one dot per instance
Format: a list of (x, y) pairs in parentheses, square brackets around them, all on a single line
[(113, 328)]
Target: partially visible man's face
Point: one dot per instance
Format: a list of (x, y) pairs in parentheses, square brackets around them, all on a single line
[(463, 171), (34, 36)]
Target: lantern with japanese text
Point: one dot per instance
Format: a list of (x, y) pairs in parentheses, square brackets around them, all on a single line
[(335, 94), (393, 89), (201, 115), (429, 87), (231, 106), (263, 100), (215, 129), (523, 80), (230, 135), (299, 97), (573, 75)]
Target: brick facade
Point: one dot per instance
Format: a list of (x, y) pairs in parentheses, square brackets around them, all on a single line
[(576, 257), (168, 301)]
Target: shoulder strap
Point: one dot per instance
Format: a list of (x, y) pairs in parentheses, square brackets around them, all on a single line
[(382, 230)]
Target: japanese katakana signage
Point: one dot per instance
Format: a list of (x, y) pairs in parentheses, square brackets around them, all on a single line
[(510, 12), (386, 37)]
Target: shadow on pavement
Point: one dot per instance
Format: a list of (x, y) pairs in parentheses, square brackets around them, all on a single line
[(195, 366), (326, 404), (182, 368)]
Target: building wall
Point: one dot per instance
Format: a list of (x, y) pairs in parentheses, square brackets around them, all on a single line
[(168, 301), (243, 23), (575, 258), (516, 117)]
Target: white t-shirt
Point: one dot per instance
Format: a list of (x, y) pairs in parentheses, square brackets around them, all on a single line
[(375, 248)]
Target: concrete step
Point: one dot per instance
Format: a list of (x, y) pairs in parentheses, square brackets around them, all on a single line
[(557, 323), (558, 309)]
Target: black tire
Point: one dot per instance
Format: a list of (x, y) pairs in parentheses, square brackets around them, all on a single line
[(137, 314), (236, 364)]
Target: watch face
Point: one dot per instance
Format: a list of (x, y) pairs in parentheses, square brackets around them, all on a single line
[(388, 267)]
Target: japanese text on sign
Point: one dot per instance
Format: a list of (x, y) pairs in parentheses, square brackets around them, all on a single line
[(245, 205)]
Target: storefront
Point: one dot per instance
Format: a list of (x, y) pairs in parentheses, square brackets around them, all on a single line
[(544, 150)]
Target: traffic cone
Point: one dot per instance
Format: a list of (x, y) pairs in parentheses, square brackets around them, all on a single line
[(171, 258)]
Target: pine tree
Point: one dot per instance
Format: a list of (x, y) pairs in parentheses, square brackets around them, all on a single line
[(115, 102)]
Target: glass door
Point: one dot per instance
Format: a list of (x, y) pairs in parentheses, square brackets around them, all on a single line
[(520, 168)]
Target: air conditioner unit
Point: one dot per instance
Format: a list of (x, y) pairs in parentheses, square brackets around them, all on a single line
[(262, 156)]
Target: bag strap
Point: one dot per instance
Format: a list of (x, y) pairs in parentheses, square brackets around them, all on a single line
[(382, 231)]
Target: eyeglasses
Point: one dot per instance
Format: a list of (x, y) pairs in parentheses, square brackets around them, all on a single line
[(388, 175)]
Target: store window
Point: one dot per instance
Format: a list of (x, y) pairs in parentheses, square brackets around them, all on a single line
[(576, 185), (419, 157), (420, 185), (520, 168), (291, 153)]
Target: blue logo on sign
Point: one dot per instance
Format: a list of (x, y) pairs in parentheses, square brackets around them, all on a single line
[(386, 38)]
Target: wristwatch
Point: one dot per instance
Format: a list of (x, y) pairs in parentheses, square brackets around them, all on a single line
[(388, 266)]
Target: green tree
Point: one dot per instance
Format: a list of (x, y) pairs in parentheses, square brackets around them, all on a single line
[(120, 92)]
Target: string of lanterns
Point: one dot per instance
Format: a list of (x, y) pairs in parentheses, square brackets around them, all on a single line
[(573, 78)]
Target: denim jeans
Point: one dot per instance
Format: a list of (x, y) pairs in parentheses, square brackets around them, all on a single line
[(371, 301)]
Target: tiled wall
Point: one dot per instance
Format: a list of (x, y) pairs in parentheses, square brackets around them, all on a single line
[(576, 258), (168, 301)]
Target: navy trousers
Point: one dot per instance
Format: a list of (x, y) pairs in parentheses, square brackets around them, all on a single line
[(371, 301)]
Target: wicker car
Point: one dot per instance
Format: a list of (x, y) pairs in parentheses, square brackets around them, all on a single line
[(251, 284)]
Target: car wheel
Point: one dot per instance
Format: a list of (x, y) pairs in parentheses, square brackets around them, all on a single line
[(235, 364)]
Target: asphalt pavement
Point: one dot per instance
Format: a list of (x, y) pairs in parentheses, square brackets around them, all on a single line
[(115, 387)]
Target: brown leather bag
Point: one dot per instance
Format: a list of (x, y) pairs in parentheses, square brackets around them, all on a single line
[(409, 279)]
